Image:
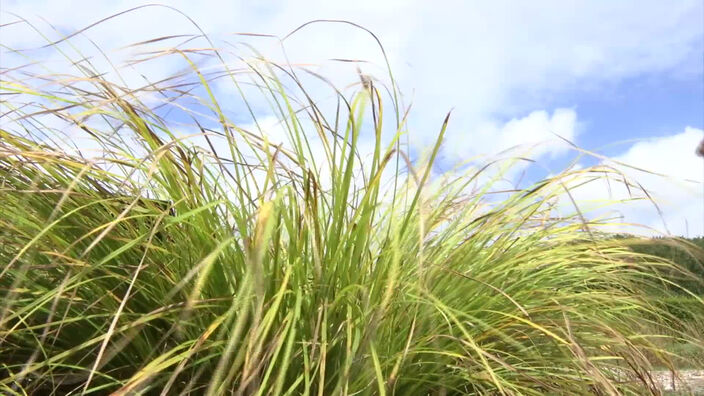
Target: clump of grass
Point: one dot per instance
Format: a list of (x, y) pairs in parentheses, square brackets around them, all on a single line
[(218, 262)]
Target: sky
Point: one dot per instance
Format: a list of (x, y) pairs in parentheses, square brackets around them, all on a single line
[(624, 79)]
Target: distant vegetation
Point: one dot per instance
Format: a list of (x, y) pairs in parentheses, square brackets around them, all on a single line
[(683, 296), (686, 252)]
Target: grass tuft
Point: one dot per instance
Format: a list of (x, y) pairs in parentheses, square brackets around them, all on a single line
[(222, 261)]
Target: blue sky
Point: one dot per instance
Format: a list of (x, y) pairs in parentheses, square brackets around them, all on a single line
[(594, 72), (639, 107)]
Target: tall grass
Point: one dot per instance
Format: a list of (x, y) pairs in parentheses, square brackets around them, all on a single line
[(217, 262)]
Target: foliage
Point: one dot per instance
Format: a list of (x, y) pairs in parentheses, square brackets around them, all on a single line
[(686, 252)]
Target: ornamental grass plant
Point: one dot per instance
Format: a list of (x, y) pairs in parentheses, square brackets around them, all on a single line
[(213, 259)]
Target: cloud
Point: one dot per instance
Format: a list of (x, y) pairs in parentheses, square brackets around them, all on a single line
[(672, 175), (495, 62), (536, 135), (485, 58)]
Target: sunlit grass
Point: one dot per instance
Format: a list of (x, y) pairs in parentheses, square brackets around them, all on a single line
[(218, 262)]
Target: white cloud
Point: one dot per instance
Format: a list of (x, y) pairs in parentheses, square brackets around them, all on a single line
[(494, 62), (676, 188), (485, 58), (534, 135), (671, 155)]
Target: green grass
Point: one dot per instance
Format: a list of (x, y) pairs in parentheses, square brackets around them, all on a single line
[(685, 300), (235, 266)]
